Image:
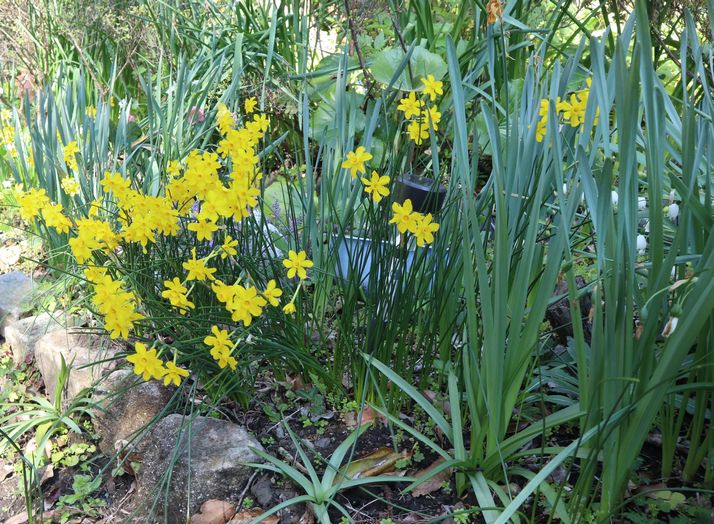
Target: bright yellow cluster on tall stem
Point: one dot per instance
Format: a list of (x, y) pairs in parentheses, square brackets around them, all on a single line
[(422, 117), (420, 225), (572, 111), (35, 204)]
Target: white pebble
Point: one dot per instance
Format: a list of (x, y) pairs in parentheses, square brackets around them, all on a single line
[(614, 197), (641, 203)]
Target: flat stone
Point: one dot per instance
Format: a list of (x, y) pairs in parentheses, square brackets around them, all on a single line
[(9, 256), (86, 355), (127, 406), (15, 289), (218, 451), (22, 335)]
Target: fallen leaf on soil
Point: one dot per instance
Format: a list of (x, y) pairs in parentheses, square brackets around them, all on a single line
[(5, 471), (381, 461), (366, 416), (444, 405), (245, 516), (214, 512), (295, 382), (21, 518), (434, 483), (47, 473)]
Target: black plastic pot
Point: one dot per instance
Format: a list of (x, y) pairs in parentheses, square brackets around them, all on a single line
[(426, 194)]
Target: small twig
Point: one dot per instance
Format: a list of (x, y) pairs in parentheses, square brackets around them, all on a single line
[(360, 57), (398, 30), (245, 490)]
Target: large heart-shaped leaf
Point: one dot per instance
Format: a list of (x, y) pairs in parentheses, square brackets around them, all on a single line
[(422, 62)]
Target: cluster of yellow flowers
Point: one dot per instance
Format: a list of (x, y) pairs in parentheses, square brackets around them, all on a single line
[(422, 117), (572, 110), (205, 192), (149, 365), (70, 154), (420, 225), (246, 303), (70, 186), (406, 219), (113, 302), (376, 185), (35, 203)]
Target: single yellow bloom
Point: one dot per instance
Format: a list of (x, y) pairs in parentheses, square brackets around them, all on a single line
[(432, 87), (204, 229), (431, 117), (250, 104), (229, 247), (197, 269), (355, 161), (418, 131), (541, 129), (297, 263), (411, 105), (289, 309), (404, 216), (246, 305), (177, 294), (174, 374), (376, 186), (272, 293), (70, 150), (146, 363), (574, 111), (262, 121), (219, 340)]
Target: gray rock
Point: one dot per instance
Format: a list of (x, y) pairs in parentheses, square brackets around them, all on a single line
[(218, 451), (323, 442), (86, 355), (262, 490), (15, 289), (22, 335), (127, 406)]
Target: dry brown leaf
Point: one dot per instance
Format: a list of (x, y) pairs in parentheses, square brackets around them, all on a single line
[(214, 512), (47, 473), (21, 518), (366, 416), (678, 284), (434, 483), (308, 517), (295, 382), (376, 463), (5, 471), (245, 516)]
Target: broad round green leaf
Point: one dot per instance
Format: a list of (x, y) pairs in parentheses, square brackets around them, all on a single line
[(423, 63)]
